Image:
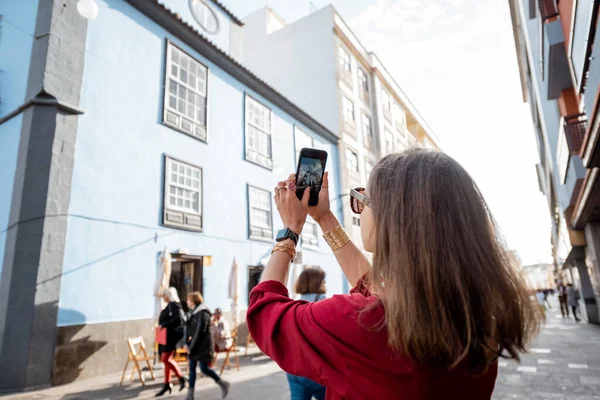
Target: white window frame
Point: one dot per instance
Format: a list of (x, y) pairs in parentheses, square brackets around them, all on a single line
[(362, 74), (347, 102), (255, 155), (389, 141), (180, 216), (301, 140), (208, 13), (368, 169), (351, 155), (256, 231), (386, 103), (345, 60), (399, 118), (196, 94), (400, 145), (364, 118), (310, 234)]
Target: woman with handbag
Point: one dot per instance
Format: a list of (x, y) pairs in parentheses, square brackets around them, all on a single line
[(171, 319), (200, 343)]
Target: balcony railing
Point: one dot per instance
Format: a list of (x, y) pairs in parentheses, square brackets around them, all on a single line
[(575, 129), (548, 8)]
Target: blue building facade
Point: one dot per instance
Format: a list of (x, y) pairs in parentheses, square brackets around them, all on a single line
[(138, 133), (552, 56)]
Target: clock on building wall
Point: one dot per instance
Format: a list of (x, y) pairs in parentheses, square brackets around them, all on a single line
[(204, 15)]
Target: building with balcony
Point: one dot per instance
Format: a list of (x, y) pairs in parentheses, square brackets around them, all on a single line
[(120, 137), (319, 63), (554, 42)]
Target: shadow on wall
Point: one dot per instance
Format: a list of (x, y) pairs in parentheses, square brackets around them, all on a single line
[(72, 349)]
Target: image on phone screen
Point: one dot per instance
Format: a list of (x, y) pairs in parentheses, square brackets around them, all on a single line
[(310, 174)]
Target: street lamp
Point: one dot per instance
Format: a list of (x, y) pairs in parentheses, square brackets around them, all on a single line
[(87, 8)]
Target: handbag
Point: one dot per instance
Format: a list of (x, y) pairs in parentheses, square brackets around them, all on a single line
[(160, 335)]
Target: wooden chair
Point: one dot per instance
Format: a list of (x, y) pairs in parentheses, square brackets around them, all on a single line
[(136, 355), (228, 351), (249, 341), (181, 357)]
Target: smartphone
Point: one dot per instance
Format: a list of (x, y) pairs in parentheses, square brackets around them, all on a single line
[(311, 167)]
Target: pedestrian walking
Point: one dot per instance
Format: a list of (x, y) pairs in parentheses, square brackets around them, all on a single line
[(171, 318), (562, 299), (573, 299), (539, 294), (432, 314), (311, 287), (546, 301), (200, 344)]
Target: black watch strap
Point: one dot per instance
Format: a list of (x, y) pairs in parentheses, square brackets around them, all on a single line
[(287, 233)]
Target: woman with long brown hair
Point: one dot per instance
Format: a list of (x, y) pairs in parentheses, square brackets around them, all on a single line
[(429, 318)]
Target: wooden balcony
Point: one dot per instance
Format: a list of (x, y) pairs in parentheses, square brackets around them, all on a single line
[(575, 130), (548, 9)]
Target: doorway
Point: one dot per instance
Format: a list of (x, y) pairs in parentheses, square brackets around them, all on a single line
[(254, 274), (187, 276)]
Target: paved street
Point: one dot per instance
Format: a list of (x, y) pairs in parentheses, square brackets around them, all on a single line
[(564, 364)]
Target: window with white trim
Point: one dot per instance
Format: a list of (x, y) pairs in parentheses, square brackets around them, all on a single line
[(368, 169), (258, 133), (302, 140), (367, 132), (348, 109), (182, 195), (351, 161), (345, 60), (204, 15), (399, 145), (260, 213), (386, 103), (363, 82), (185, 93), (389, 142), (399, 118), (310, 233)]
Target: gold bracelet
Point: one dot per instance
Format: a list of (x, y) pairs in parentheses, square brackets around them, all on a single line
[(285, 248), (336, 238)]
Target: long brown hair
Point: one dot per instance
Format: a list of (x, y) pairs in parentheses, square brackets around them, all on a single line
[(311, 280), (450, 292)]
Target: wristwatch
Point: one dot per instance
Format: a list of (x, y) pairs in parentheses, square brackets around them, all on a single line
[(287, 233)]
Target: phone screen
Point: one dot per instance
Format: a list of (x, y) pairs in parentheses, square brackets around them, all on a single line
[(311, 167), (310, 174)]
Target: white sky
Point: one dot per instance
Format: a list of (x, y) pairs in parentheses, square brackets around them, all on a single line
[(456, 61)]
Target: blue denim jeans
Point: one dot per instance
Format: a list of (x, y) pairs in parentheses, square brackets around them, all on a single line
[(205, 369), (305, 389)]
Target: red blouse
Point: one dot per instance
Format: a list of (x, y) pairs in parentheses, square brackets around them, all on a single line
[(324, 342)]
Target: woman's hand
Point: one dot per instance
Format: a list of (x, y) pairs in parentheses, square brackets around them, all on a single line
[(291, 210), (323, 208)]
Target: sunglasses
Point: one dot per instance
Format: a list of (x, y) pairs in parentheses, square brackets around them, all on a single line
[(358, 200)]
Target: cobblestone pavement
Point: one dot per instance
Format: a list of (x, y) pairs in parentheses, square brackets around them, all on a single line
[(564, 364)]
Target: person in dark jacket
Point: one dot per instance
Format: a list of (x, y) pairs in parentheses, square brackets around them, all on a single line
[(171, 318), (200, 343)]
